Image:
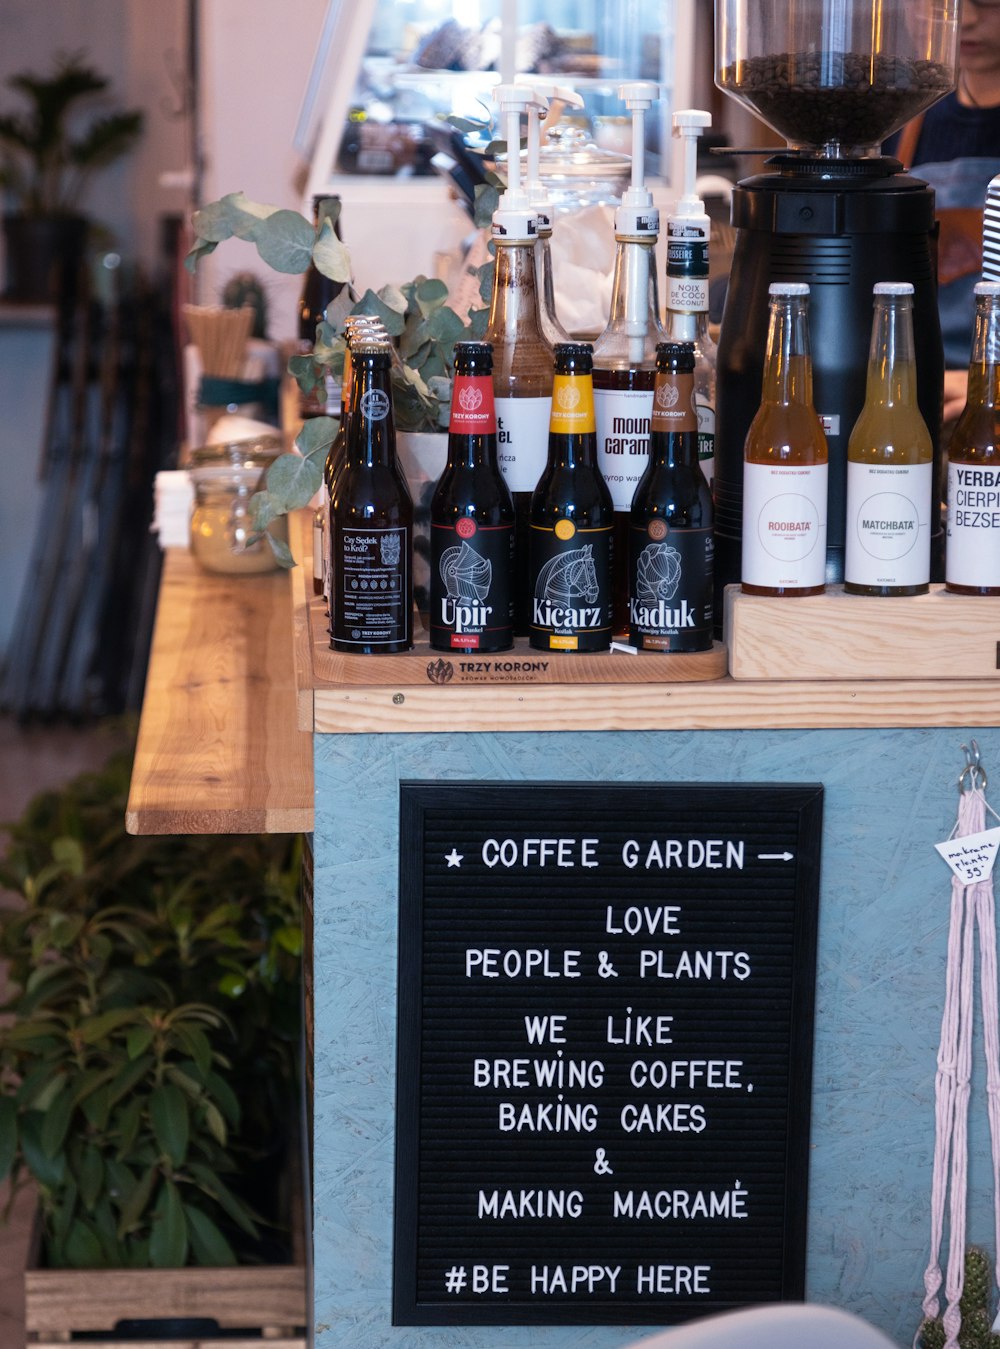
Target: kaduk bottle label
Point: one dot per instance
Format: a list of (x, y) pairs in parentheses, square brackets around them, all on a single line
[(888, 524), (784, 525), (972, 551), (522, 440), (622, 418)]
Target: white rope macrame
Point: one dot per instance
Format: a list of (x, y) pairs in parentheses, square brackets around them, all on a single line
[(972, 909)]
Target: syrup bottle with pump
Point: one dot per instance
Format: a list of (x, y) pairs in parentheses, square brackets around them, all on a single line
[(522, 358), (538, 195), (625, 353), (688, 234)]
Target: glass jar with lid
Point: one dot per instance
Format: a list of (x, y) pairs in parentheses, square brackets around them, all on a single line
[(225, 477)]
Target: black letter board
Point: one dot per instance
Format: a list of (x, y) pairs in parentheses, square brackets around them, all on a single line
[(604, 1050)]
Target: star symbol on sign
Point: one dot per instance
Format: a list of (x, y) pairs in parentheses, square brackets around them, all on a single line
[(454, 858)]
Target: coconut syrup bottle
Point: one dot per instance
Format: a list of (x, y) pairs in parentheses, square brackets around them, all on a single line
[(522, 358), (371, 519), (472, 520), (625, 353), (785, 462), (688, 234), (671, 546), (890, 467), (572, 518), (972, 556)]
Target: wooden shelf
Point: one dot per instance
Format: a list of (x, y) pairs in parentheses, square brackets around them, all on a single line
[(219, 751)]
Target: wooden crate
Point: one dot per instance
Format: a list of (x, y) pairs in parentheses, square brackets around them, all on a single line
[(266, 1301), (836, 636)]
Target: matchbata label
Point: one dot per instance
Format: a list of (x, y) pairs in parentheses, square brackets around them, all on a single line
[(888, 524), (375, 405), (522, 440), (670, 588), (472, 407), (972, 550), (471, 599), (622, 418), (784, 525), (571, 588), (572, 405), (370, 570)]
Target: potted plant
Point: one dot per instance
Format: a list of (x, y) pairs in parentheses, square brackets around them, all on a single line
[(148, 1047), (47, 157), (416, 315)]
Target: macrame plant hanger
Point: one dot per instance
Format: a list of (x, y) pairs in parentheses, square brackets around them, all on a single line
[(972, 909)]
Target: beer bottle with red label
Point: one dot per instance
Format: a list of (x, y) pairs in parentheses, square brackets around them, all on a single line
[(472, 520)]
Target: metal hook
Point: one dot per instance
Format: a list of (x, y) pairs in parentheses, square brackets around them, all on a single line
[(973, 776)]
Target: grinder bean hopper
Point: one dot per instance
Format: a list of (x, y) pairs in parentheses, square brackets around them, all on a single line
[(834, 78)]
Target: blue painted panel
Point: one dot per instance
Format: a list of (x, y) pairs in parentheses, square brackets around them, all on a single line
[(884, 907)]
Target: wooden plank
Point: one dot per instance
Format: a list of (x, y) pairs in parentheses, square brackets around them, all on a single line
[(255, 1342), (724, 704), (219, 749), (839, 636), (250, 1298)]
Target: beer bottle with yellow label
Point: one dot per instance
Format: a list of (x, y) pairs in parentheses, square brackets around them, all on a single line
[(572, 520)]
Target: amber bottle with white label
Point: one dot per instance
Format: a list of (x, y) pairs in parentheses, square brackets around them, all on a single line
[(785, 462), (972, 557)]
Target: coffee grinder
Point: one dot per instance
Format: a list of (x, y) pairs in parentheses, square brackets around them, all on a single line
[(834, 78)]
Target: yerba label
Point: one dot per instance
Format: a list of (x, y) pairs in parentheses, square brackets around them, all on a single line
[(972, 550)]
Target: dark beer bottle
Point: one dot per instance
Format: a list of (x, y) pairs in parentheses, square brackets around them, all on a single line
[(472, 520), (371, 520), (670, 530), (572, 520)]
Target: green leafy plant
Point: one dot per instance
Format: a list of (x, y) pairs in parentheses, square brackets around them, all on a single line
[(44, 166), (977, 1323), (416, 315), (148, 1044)]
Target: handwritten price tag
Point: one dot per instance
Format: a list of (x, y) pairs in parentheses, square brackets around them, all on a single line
[(971, 858)]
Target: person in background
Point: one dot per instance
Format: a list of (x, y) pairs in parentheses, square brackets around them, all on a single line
[(955, 146)]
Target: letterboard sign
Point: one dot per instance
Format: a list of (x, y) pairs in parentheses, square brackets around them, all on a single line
[(604, 1050)]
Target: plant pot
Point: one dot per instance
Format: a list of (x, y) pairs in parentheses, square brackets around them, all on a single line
[(43, 258)]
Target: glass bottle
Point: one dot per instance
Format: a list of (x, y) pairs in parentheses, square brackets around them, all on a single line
[(693, 327), (972, 549), (785, 461), (318, 290), (889, 462), (572, 518), (624, 375), (371, 520), (548, 318), (522, 387), (472, 520), (670, 535)]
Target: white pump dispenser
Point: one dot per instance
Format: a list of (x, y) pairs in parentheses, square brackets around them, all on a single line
[(515, 217), (637, 214), (539, 196)]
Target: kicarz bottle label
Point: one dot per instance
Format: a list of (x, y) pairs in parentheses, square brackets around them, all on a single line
[(972, 556), (522, 440), (888, 524), (670, 588), (371, 597), (784, 525), (472, 605), (622, 418), (571, 594)]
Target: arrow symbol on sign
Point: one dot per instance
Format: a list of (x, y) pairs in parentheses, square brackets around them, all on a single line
[(775, 856)]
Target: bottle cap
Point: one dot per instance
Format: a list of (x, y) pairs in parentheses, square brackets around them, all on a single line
[(573, 349), (987, 288), (674, 350), (787, 289), (892, 288), (473, 350)]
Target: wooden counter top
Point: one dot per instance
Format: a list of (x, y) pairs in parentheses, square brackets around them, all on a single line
[(219, 751)]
